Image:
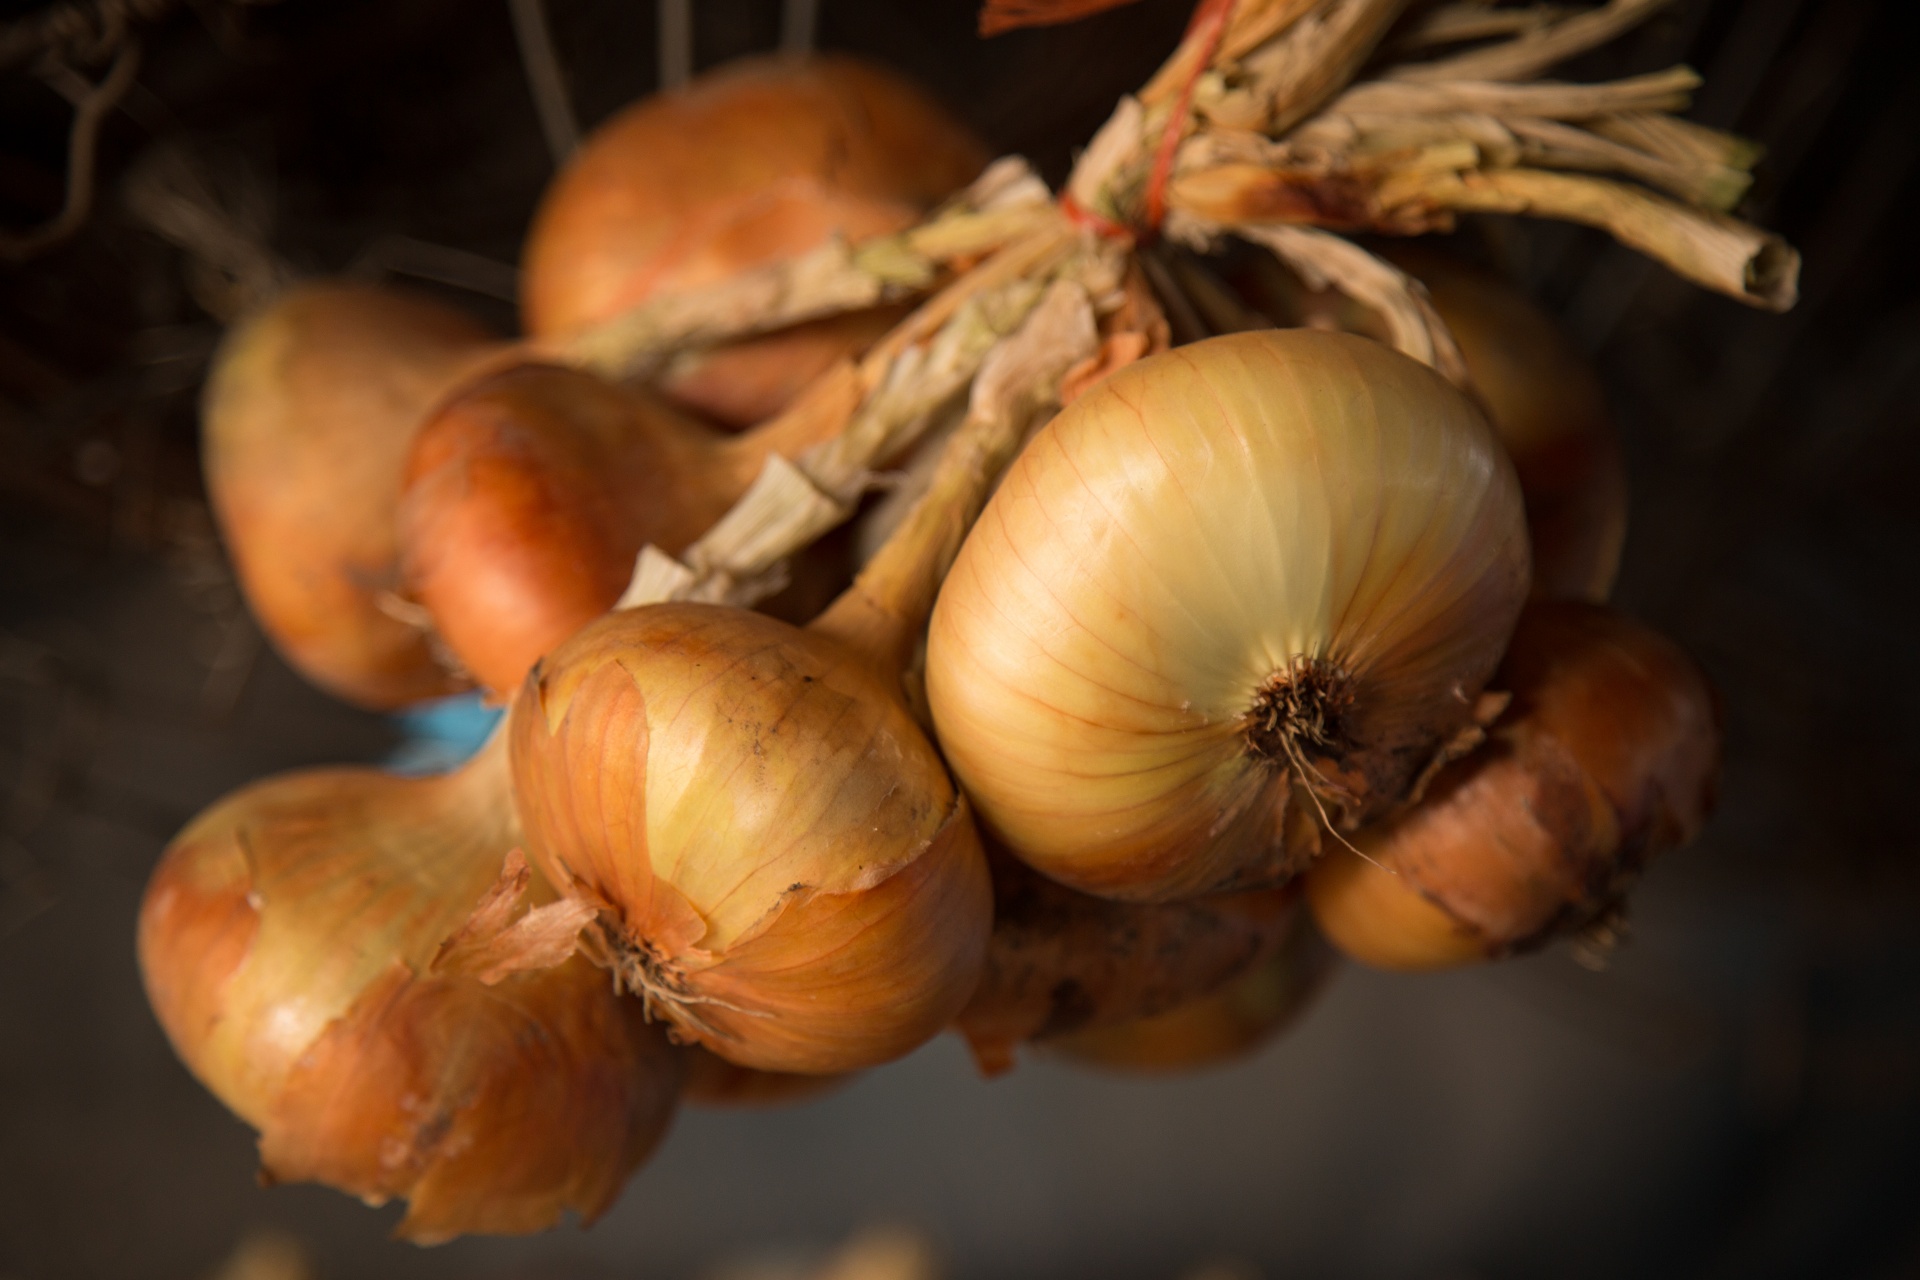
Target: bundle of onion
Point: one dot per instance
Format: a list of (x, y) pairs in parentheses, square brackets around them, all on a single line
[(1607, 755), (778, 860), (1062, 963), (307, 417), (1236, 586), (1541, 395), (529, 493), (759, 161), (313, 948), (1223, 1025)]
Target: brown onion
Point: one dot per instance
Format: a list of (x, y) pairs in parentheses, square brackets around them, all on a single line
[(1062, 962), (530, 491), (756, 162), (307, 417), (780, 864), (1225, 1024), (1607, 755), (313, 948)]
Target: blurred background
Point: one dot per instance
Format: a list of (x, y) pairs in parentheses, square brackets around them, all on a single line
[(1737, 1094)]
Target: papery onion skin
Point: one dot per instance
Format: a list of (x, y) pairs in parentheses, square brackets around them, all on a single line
[(1608, 754), (1062, 962), (307, 415), (1540, 393), (1545, 402), (780, 855), (1205, 535), (756, 162), (1221, 1027), (287, 941)]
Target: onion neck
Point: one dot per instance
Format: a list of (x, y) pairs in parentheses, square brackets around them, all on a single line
[(880, 617), (817, 416)]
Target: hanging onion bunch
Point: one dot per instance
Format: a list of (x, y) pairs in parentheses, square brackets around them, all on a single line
[(1233, 609), (348, 960), (1607, 755), (756, 162), (1235, 587)]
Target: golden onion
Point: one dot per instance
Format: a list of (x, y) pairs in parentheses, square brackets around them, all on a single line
[(1234, 587)]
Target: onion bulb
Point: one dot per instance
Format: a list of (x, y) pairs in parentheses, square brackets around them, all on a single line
[(530, 491), (1607, 755), (335, 954), (777, 858), (1225, 1024), (306, 419), (755, 163), (1062, 962), (1235, 587)]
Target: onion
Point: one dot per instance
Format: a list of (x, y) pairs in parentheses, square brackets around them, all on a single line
[(529, 493), (1235, 586), (759, 161), (1062, 963), (1608, 754), (312, 946), (1222, 1026), (306, 420), (779, 861), (777, 857)]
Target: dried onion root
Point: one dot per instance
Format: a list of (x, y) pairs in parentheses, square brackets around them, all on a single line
[(1607, 755)]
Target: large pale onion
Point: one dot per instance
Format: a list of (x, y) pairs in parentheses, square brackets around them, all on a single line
[(1235, 587)]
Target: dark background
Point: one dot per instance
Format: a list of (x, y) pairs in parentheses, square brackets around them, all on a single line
[(1738, 1095)]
